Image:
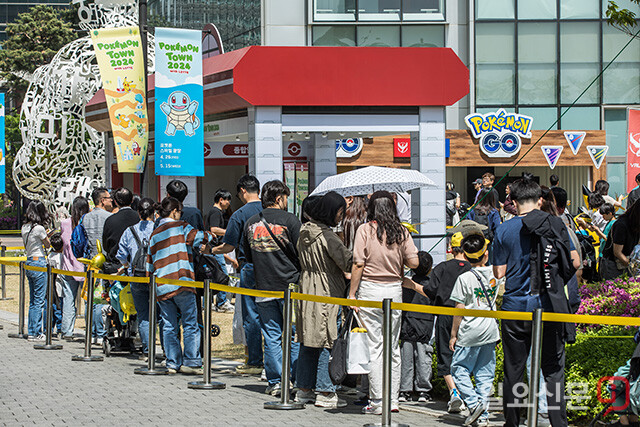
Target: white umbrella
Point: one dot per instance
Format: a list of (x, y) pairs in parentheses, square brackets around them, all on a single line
[(371, 179)]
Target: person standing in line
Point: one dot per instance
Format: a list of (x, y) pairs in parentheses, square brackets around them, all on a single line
[(216, 223), (634, 194), (477, 186), (602, 188), (55, 261), (381, 250), (70, 285), (623, 237), (190, 214), (554, 181), (487, 183), (323, 259), (269, 241), (485, 213), (247, 191), (169, 258), (115, 226), (36, 241), (93, 221)]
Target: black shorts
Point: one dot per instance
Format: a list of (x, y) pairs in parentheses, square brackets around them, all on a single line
[(443, 335)]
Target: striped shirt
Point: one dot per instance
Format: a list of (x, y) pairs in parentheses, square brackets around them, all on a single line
[(170, 254)]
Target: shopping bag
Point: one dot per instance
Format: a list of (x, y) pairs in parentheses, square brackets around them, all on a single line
[(338, 357), (358, 356)]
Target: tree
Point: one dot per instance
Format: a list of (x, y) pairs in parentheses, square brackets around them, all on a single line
[(33, 40), (622, 19)]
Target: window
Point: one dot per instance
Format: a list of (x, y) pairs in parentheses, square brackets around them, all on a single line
[(495, 9), (543, 117), (495, 68), (423, 36), (615, 123), (343, 35), (422, 10), (387, 35), (579, 9), (581, 118), (621, 80), (579, 61), (537, 9), (334, 10), (379, 10), (537, 63)]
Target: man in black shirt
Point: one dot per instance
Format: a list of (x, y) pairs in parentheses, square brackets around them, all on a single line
[(215, 223), (269, 241), (634, 194), (487, 182), (115, 226), (190, 214)]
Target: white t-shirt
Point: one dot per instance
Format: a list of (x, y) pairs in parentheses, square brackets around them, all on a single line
[(476, 331), (609, 199), (55, 261), (33, 240)]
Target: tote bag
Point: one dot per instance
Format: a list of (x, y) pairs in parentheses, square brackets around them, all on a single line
[(358, 356)]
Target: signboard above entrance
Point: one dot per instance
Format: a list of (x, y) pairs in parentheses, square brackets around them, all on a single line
[(499, 133)]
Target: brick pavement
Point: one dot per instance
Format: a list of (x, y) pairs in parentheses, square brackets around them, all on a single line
[(40, 387)]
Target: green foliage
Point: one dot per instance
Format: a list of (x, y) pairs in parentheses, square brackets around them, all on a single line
[(622, 19), (33, 40)]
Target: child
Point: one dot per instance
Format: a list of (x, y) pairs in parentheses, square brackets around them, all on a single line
[(608, 213), (473, 339), (416, 332), (55, 260)]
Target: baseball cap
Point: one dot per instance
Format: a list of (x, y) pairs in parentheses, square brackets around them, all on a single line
[(456, 240), (477, 181), (468, 227)]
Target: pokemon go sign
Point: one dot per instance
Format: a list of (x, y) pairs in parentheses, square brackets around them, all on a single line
[(499, 133)]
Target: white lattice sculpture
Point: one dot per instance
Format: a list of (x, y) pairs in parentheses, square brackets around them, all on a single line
[(60, 152)]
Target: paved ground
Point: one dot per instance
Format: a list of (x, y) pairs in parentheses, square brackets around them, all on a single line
[(46, 388)]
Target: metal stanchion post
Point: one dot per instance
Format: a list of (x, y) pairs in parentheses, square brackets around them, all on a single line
[(151, 368), (3, 273), (534, 374), (387, 344), (206, 383), (21, 304), (49, 321), (285, 402), (87, 357)]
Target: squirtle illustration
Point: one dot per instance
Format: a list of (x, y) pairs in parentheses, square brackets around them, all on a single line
[(181, 114)]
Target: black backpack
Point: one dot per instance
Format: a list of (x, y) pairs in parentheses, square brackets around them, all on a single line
[(483, 219), (139, 261)]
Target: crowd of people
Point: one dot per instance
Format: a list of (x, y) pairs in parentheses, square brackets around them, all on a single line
[(354, 247)]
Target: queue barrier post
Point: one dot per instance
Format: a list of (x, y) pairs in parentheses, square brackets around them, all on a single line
[(285, 402), (534, 374), (21, 304), (51, 280), (206, 383), (87, 357), (151, 368), (3, 273), (387, 344)]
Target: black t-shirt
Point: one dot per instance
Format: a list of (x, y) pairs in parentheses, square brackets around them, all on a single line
[(443, 277), (215, 218), (114, 228), (620, 234), (274, 271), (193, 217)]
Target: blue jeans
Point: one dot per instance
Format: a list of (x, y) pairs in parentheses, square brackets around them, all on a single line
[(98, 329), (271, 320), (70, 292), (313, 370), (250, 318), (56, 320), (140, 294), (183, 305), (481, 363), (37, 296), (221, 297)]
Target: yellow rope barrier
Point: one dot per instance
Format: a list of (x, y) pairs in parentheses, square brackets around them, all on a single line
[(128, 279)]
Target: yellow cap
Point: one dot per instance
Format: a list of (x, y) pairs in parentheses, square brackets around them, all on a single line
[(456, 240)]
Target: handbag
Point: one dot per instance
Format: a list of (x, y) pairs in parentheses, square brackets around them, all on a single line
[(290, 253), (358, 354), (338, 357)]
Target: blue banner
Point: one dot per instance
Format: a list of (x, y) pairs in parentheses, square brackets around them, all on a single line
[(3, 150), (179, 129)]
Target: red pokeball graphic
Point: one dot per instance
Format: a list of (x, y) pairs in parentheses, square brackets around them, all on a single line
[(207, 150), (294, 149)]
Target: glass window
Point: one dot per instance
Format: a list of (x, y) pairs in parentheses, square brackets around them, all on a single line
[(495, 69), (579, 61), (579, 9), (423, 36), (543, 117), (581, 118), (342, 35), (334, 10), (379, 35), (423, 10), (379, 10), (621, 80), (617, 178), (615, 124), (537, 63), (537, 9), (495, 9)]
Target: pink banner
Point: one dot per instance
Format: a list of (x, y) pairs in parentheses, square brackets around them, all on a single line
[(633, 153)]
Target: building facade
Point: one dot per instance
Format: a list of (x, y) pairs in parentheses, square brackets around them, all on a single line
[(9, 11)]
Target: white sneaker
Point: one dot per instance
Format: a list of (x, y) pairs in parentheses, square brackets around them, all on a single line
[(38, 338), (329, 401), (455, 402), (227, 307), (274, 390), (98, 340), (305, 396), (263, 375)]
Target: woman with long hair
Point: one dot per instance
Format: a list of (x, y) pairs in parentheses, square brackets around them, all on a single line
[(70, 284), (170, 258), (36, 241), (485, 213), (132, 241), (324, 259), (381, 249), (548, 201), (623, 237), (355, 215)]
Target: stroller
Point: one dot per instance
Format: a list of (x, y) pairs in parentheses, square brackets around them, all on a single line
[(119, 320)]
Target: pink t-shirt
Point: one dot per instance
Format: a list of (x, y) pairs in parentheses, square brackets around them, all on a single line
[(69, 261), (382, 263)]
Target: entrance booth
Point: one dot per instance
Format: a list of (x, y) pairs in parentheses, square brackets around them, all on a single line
[(273, 108)]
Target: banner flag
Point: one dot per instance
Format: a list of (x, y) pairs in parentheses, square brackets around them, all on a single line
[(552, 154), (633, 150), (575, 140), (121, 63), (598, 154), (2, 146), (179, 133)]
